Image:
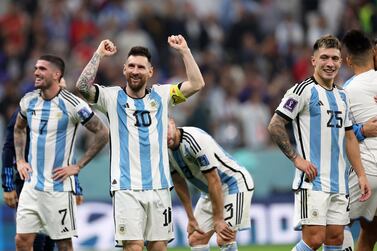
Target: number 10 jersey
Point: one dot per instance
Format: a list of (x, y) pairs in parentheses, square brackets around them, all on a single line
[(138, 137)]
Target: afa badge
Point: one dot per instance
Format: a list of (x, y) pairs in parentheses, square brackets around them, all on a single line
[(203, 160), (84, 113)]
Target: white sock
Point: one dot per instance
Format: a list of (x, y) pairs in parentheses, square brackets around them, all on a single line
[(348, 243), (301, 246), (332, 248), (229, 247), (204, 247)]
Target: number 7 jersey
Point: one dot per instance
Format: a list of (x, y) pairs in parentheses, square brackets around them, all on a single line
[(138, 137), (320, 118)]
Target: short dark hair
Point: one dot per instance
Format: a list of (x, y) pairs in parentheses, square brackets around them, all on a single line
[(358, 46), (57, 61), (140, 51), (356, 42), (327, 41)]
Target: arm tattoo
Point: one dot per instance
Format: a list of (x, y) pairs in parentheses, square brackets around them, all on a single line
[(20, 138), (280, 136), (101, 137), (85, 82)]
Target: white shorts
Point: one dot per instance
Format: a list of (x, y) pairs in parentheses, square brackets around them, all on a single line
[(53, 213), (320, 208), (366, 209), (143, 215), (236, 211)]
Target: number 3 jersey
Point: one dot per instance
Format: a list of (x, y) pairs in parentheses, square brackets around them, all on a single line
[(320, 118), (53, 125), (138, 135), (198, 153)]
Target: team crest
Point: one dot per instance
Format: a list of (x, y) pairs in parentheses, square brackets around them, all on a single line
[(59, 115), (153, 104), (315, 213), (122, 228)]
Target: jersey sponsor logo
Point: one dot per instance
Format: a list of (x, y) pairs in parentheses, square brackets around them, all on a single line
[(84, 113), (203, 160), (290, 104)]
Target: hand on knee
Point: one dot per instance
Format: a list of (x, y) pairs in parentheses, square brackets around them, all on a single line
[(196, 238)]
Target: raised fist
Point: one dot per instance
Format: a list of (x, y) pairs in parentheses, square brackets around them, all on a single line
[(106, 48)]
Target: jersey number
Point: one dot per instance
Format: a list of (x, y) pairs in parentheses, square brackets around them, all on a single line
[(64, 212), (338, 123), (167, 215), (143, 118), (229, 209), (42, 126)]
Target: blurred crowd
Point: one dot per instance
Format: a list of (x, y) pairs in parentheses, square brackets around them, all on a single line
[(249, 51)]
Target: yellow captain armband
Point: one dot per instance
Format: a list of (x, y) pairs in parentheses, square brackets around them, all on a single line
[(176, 95)]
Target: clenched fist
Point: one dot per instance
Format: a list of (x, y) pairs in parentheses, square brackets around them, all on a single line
[(106, 48)]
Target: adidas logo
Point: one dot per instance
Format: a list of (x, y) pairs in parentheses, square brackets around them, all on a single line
[(320, 103), (65, 230)]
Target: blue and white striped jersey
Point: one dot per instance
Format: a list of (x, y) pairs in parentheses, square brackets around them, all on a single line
[(53, 124), (320, 118), (197, 153), (138, 135)]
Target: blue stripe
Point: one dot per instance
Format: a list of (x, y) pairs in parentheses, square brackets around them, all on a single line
[(60, 140), (160, 130), (124, 161), (347, 168), (334, 165), (144, 146), (187, 173), (332, 248), (41, 144), (29, 116), (315, 136), (230, 181)]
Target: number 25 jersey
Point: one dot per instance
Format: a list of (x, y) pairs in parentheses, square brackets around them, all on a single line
[(320, 118)]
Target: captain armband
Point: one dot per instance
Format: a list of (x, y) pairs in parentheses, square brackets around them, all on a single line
[(176, 95)]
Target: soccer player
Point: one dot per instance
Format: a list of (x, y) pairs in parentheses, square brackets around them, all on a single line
[(361, 90), (226, 187), (53, 115), (138, 118), (323, 132), (12, 183)]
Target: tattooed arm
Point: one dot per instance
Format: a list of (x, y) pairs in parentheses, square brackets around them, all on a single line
[(20, 136), (280, 136), (101, 137), (85, 82)]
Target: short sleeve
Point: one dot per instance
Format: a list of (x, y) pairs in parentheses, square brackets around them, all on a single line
[(203, 151), (100, 98), (293, 102), (83, 112), (23, 107)]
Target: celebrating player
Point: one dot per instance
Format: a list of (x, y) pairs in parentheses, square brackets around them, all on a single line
[(52, 114), (138, 117)]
